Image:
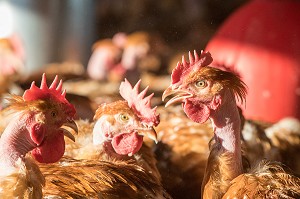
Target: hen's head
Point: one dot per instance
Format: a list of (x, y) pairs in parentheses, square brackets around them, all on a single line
[(51, 100), (125, 122), (50, 118), (105, 58), (12, 55), (202, 88)]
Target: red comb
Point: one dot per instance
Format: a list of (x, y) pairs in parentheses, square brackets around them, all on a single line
[(140, 104), (44, 92), (196, 62)]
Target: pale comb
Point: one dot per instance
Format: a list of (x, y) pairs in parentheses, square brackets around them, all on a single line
[(195, 63), (139, 103)]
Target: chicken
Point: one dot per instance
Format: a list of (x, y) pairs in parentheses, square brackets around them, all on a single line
[(278, 141), (285, 136), (145, 55), (110, 160), (12, 63), (12, 55), (37, 126), (127, 56), (144, 51), (104, 63), (210, 93)]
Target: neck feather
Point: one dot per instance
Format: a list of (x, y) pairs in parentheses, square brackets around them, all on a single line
[(225, 160)]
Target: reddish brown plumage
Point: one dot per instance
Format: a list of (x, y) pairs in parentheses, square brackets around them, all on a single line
[(35, 125), (101, 179), (214, 96), (105, 172), (181, 152)]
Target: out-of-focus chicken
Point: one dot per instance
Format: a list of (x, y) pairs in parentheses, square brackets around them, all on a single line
[(256, 145), (284, 137), (37, 127), (210, 93), (12, 55), (127, 56), (12, 63), (104, 63), (111, 160), (144, 54)]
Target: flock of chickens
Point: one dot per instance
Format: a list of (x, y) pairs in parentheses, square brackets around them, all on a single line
[(119, 146)]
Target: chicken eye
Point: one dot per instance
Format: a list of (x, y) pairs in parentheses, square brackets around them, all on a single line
[(124, 118), (201, 84), (53, 114)]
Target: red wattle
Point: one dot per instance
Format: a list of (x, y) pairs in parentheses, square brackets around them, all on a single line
[(127, 143), (51, 150), (197, 112)]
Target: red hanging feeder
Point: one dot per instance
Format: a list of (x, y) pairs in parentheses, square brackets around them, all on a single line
[(261, 41)]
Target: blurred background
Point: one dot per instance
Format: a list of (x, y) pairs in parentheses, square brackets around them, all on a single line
[(56, 31)]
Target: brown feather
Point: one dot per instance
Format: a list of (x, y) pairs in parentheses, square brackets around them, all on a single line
[(223, 79), (27, 181), (113, 108), (181, 152), (266, 180), (100, 179), (218, 173), (224, 161), (83, 148), (17, 103)]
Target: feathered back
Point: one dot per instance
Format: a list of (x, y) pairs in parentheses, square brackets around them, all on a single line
[(266, 180), (101, 179), (139, 103)]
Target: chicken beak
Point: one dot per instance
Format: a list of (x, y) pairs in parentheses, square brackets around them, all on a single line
[(68, 127), (149, 132), (180, 95)]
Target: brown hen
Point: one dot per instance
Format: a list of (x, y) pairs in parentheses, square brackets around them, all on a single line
[(210, 93), (35, 126), (110, 159)]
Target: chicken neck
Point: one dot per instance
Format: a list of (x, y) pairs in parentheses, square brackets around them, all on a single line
[(225, 161), (15, 142)]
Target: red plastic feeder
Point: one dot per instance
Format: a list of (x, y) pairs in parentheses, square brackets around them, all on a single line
[(261, 41)]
